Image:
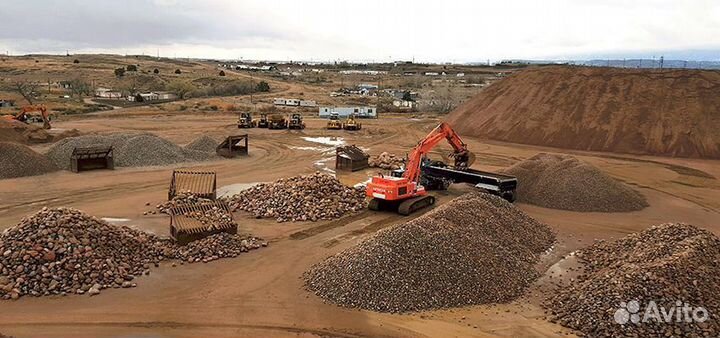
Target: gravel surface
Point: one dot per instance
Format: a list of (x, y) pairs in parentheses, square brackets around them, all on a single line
[(564, 182), (64, 251), (129, 150), (386, 161), (665, 263), (17, 160), (475, 249), (203, 143), (300, 198)]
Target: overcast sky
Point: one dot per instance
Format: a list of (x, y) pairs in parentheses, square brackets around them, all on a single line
[(368, 30)]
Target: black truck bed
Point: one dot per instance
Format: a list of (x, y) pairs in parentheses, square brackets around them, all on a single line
[(502, 185)]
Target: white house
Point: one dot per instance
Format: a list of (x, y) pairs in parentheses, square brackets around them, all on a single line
[(361, 112), (106, 93), (307, 103)]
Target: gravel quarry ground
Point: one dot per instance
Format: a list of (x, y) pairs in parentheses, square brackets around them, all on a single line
[(261, 293)]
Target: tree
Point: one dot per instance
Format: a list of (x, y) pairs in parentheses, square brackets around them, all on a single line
[(177, 71), (407, 97), (76, 61), (132, 68), (180, 88), (156, 71), (222, 73), (26, 89), (263, 86), (139, 98), (119, 72), (78, 88)]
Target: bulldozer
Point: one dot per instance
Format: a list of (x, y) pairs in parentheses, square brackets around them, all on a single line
[(24, 115), (278, 121), (351, 123), (296, 122), (246, 121), (334, 122), (263, 122)]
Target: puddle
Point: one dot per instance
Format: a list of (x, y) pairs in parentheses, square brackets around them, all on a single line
[(363, 183), (318, 149), (233, 189), (329, 141), (322, 165)]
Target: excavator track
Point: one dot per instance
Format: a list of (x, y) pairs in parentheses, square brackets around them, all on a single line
[(411, 205)]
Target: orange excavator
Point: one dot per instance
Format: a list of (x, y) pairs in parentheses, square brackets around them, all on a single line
[(24, 116), (405, 190)]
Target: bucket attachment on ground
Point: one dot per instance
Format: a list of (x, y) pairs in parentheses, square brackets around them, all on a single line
[(190, 222), (199, 183), (91, 158), (350, 158), (233, 146)]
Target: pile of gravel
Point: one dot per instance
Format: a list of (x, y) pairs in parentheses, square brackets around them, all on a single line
[(203, 143), (666, 263), (221, 245), (300, 198), (179, 199), (129, 150), (475, 249), (17, 160), (564, 182), (65, 251), (386, 161)]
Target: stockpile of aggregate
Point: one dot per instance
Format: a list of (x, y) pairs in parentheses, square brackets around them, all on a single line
[(203, 143), (564, 182), (475, 249), (17, 160)]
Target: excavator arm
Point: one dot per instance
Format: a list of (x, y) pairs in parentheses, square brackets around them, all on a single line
[(442, 131), (21, 116)]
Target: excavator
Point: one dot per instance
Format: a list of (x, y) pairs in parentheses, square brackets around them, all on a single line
[(24, 116), (405, 189)]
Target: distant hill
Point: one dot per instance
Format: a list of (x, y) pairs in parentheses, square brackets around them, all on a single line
[(641, 111)]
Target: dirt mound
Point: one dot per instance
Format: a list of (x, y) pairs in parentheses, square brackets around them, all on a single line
[(475, 249), (665, 264), (564, 182), (65, 251), (668, 112), (203, 143), (129, 150), (16, 131), (300, 198), (17, 160)]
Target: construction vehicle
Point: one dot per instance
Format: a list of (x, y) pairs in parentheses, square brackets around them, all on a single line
[(406, 189), (24, 115), (263, 122), (334, 122), (351, 123), (296, 122), (278, 121), (246, 121)]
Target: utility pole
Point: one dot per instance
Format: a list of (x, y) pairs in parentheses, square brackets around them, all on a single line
[(662, 60)]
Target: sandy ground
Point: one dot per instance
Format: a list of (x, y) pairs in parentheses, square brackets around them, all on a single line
[(260, 293)]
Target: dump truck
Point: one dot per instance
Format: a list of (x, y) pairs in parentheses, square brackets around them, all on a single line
[(278, 121), (263, 122), (334, 121), (246, 121), (351, 123), (296, 122)]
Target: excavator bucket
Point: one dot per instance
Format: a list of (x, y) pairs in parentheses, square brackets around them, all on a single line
[(191, 222), (199, 183), (91, 158)]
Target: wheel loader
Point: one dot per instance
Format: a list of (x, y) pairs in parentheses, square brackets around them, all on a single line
[(351, 123), (263, 122), (296, 122), (334, 122), (246, 121), (278, 121)]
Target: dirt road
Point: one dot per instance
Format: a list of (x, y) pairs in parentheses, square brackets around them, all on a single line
[(260, 293)]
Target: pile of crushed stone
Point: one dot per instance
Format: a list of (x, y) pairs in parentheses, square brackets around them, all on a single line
[(203, 143), (17, 160)]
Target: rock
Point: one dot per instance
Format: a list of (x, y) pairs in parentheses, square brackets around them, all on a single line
[(94, 290)]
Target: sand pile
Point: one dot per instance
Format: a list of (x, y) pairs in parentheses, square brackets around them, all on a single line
[(665, 264), (203, 143), (17, 160), (64, 251), (475, 249), (16, 131), (564, 182), (646, 111), (130, 150), (300, 198)]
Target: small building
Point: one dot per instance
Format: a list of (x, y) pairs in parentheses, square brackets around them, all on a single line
[(166, 96), (360, 112), (279, 102), (404, 104), (107, 93), (292, 102), (6, 103), (431, 74), (145, 97), (307, 103), (351, 158)]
